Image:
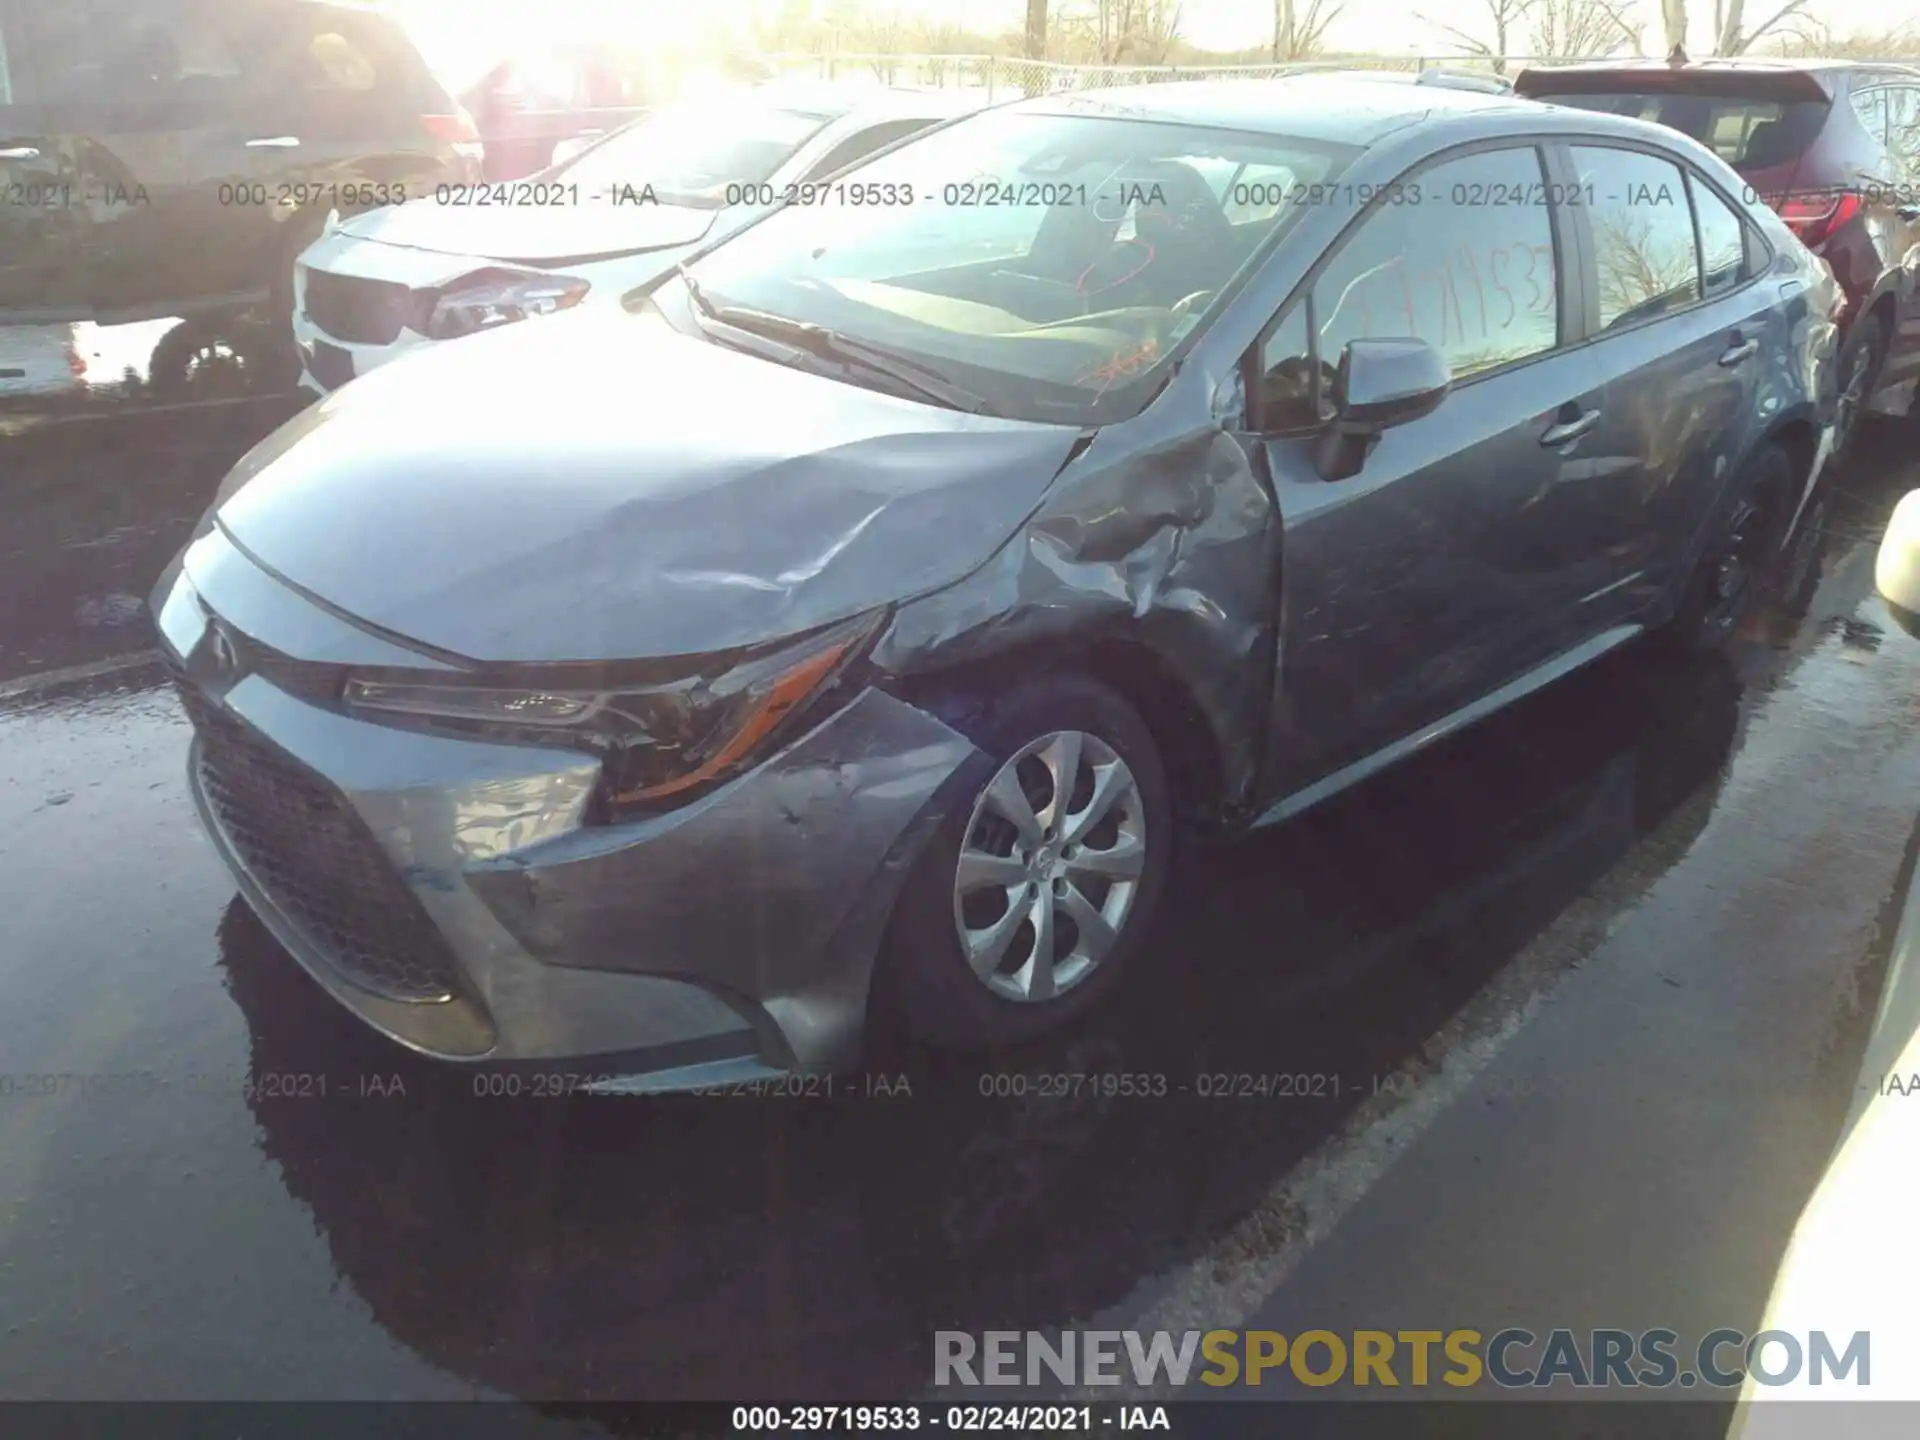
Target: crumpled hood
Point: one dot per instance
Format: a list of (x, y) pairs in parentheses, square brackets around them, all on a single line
[(601, 487), (534, 234)]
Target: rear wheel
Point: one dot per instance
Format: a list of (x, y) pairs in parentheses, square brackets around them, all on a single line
[(1801, 568), (1860, 363), (1026, 907), (1733, 570)]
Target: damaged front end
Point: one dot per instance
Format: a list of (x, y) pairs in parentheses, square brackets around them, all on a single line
[(1153, 560), (711, 910)]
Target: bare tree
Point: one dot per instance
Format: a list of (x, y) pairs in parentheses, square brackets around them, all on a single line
[(1117, 31), (882, 34), (1298, 34), (1036, 46), (1578, 29), (1149, 32), (1729, 16), (1504, 16), (1673, 23), (1806, 36)]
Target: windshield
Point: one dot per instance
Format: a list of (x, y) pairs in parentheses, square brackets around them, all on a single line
[(690, 154), (1748, 133), (1049, 263)]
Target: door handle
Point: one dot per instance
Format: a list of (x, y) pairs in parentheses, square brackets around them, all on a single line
[(1740, 350), (21, 152), (1568, 431), (274, 142)]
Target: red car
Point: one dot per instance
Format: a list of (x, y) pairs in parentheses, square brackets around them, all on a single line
[(1833, 146), (527, 104)]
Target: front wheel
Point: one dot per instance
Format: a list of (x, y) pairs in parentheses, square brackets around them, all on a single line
[(1027, 905)]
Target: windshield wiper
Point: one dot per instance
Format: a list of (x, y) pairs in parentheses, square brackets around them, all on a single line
[(827, 344)]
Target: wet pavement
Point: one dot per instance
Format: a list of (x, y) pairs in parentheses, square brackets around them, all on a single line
[(1584, 991)]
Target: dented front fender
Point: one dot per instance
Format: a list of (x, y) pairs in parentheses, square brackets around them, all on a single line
[(1161, 533)]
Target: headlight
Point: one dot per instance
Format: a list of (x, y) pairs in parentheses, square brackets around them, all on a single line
[(660, 741), (499, 297)]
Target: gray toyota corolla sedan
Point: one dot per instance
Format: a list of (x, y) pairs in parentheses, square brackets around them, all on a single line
[(868, 615)]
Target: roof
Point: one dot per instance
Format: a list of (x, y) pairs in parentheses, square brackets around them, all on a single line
[(1345, 107), (1336, 109), (1341, 108)]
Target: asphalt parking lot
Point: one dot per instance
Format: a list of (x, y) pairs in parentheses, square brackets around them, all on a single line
[(1584, 989)]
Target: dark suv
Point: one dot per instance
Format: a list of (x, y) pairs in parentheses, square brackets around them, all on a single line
[(1833, 146), (172, 157)]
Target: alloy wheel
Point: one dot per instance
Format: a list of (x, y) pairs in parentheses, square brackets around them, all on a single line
[(1050, 866), (1733, 571), (217, 367), (1802, 568)]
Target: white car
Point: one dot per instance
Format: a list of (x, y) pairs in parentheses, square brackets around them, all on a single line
[(619, 214), (39, 360)]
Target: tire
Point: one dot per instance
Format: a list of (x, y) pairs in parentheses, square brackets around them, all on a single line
[(174, 369), (1733, 570), (1804, 563), (218, 357), (1861, 360), (940, 998)]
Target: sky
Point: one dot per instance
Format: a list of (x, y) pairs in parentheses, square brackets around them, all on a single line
[(471, 26)]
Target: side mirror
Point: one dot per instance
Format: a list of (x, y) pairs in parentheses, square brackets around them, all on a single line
[(1896, 572), (1380, 384)]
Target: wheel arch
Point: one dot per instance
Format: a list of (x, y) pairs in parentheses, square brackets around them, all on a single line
[(1190, 744)]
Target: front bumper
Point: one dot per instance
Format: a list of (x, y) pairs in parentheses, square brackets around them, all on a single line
[(735, 936), (354, 258), (316, 374)]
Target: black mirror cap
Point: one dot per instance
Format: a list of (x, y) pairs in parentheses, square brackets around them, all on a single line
[(1383, 383)]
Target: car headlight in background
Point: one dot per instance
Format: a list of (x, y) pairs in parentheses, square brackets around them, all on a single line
[(489, 298), (660, 741)]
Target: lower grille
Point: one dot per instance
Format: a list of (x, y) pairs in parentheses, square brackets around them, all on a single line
[(361, 312), (313, 855)]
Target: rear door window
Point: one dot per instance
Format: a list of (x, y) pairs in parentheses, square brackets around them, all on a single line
[(1644, 251)]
